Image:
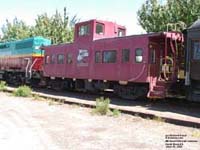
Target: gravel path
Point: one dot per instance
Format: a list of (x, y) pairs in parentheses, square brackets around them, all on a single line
[(27, 124)]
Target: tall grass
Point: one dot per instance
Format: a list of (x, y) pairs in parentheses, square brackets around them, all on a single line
[(102, 106), (23, 91), (2, 85)]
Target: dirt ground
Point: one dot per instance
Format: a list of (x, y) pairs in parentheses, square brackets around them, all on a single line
[(27, 124)]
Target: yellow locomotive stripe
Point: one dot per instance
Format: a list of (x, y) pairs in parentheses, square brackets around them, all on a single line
[(25, 55)]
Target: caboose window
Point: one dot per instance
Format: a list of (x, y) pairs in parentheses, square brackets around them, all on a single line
[(60, 59), (121, 32), (47, 59), (109, 56), (138, 55), (99, 28), (69, 58), (53, 59), (98, 57), (83, 30), (196, 50), (153, 56), (125, 55)]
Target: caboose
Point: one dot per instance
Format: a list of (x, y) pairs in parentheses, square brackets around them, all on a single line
[(21, 61), (192, 80), (103, 58)]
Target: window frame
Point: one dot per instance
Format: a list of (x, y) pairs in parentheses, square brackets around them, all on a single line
[(84, 30), (138, 56), (124, 56), (107, 51), (53, 59), (47, 59), (153, 56), (60, 58), (195, 57), (102, 26), (99, 59), (69, 58), (120, 32)]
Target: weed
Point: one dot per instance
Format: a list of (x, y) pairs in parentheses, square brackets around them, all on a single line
[(159, 119), (23, 91), (38, 97), (61, 101), (102, 106), (2, 85), (116, 113), (196, 134)]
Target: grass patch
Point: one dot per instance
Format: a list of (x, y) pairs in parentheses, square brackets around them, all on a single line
[(102, 106), (116, 113), (54, 102), (2, 85), (196, 134), (23, 91), (38, 98), (158, 119)]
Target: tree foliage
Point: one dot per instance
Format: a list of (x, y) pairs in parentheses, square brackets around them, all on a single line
[(15, 30), (173, 14), (57, 27)]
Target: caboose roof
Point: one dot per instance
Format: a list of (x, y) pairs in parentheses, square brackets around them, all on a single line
[(195, 25)]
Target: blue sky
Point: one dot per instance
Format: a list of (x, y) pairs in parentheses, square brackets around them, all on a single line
[(121, 11)]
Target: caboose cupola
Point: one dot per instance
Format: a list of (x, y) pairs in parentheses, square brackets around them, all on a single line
[(97, 29)]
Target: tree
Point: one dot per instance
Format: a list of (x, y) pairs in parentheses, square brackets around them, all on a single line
[(154, 16), (58, 28), (15, 30)]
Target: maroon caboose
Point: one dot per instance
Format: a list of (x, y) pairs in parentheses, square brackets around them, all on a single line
[(102, 57)]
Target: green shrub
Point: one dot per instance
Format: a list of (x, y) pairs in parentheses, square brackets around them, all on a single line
[(116, 113), (102, 106), (23, 91), (2, 85)]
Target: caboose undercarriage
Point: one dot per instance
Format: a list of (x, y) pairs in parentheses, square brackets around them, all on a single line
[(127, 91)]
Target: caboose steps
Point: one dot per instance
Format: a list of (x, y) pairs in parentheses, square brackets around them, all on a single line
[(157, 94), (158, 90)]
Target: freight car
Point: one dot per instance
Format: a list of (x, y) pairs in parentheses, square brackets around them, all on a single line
[(103, 58), (21, 61), (192, 46)]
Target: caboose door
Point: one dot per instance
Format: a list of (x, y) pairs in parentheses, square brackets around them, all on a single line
[(154, 60)]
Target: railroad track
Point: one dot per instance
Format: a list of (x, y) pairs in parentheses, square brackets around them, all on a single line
[(175, 111)]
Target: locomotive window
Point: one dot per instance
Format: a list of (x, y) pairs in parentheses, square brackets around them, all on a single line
[(109, 56), (98, 57), (47, 59), (83, 30), (60, 59), (138, 55), (196, 50), (53, 59), (99, 28), (153, 56), (125, 55), (69, 58), (4, 46)]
